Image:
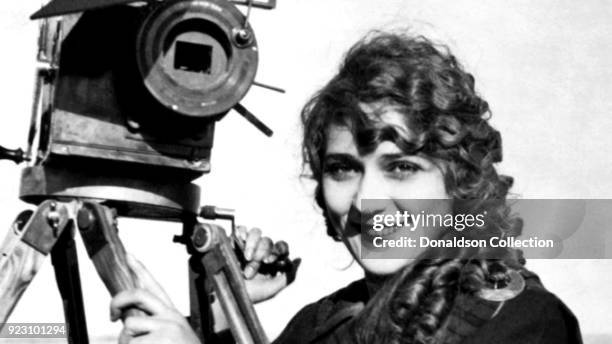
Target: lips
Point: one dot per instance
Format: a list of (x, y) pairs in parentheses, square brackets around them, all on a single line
[(360, 223), (386, 231), (365, 225)]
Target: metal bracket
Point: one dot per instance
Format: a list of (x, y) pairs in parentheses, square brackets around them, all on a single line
[(46, 225), (216, 254)]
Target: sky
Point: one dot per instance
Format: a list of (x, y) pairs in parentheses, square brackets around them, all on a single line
[(544, 67)]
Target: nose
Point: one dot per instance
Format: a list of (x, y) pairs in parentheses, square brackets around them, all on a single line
[(371, 193)]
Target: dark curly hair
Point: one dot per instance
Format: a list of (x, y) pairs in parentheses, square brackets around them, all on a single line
[(437, 97)]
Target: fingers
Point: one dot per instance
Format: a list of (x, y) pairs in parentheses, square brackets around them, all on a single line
[(280, 253), (263, 253), (151, 330), (138, 298), (266, 286), (263, 249), (270, 258), (241, 233), (258, 250), (251, 243), (136, 326), (267, 267), (147, 281), (251, 269), (282, 248)]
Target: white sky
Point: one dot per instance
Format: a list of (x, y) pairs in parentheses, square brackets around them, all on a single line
[(543, 66)]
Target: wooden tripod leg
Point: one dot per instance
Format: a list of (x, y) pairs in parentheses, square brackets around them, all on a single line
[(14, 257), (66, 266), (223, 272), (24, 250), (98, 229), (201, 300), (200, 314), (200, 317)]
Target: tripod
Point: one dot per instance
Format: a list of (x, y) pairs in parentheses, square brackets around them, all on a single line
[(117, 130), (51, 229)]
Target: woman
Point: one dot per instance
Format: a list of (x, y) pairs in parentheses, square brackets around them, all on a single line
[(401, 122)]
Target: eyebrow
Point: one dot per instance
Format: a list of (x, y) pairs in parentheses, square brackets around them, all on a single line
[(347, 156), (340, 156), (394, 156)]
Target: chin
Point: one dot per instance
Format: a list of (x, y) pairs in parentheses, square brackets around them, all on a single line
[(383, 266)]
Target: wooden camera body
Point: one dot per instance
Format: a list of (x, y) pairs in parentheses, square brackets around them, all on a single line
[(127, 108)]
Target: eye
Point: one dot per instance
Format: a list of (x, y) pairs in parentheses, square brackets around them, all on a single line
[(402, 169), (340, 171)]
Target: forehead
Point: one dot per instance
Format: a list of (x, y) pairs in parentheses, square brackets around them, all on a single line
[(340, 140), (340, 137)]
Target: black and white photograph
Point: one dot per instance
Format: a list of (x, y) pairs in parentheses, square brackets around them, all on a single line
[(306, 171)]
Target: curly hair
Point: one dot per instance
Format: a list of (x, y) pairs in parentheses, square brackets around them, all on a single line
[(437, 97)]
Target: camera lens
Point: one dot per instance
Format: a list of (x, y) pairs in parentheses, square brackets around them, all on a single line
[(193, 57), (188, 59), (196, 54)]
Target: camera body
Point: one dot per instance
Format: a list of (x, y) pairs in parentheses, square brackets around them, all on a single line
[(128, 107)]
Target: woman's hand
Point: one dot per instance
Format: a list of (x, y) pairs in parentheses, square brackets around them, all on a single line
[(164, 323), (267, 269)]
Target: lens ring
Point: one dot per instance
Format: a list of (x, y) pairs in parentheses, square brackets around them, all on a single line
[(221, 72)]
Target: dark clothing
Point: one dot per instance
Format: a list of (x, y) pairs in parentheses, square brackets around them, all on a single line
[(534, 316)]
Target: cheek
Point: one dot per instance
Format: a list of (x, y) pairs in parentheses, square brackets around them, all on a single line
[(338, 197), (424, 193), (425, 185)]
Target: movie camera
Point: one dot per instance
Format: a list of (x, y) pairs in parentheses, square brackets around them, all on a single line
[(122, 122)]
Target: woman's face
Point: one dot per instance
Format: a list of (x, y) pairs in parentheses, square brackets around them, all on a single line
[(386, 173)]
